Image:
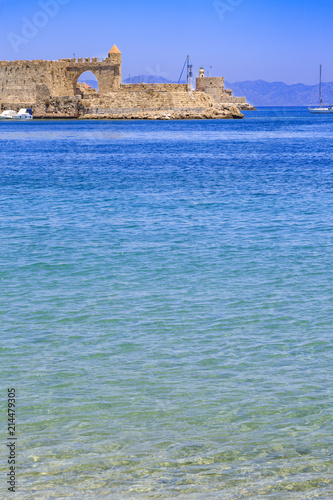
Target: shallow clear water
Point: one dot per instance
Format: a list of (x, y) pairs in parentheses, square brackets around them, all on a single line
[(167, 307)]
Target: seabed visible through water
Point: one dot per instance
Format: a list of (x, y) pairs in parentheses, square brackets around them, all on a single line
[(166, 316)]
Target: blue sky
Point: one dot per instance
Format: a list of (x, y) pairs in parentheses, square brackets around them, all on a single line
[(274, 40)]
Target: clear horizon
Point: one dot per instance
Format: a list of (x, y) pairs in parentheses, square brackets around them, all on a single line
[(238, 39)]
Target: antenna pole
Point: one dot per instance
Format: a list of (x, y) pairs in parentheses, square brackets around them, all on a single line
[(188, 67), (190, 74), (181, 74)]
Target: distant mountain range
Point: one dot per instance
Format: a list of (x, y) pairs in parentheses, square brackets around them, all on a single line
[(149, 79), (259, 92), (93, 83), (134, 79)]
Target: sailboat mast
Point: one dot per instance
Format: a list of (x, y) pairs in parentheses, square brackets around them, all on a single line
[(320, 98)]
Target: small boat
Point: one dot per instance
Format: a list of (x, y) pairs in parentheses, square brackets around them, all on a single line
[(24, 114), (321, 110), (9, 114)]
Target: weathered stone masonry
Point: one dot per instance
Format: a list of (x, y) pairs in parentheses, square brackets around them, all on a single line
[(33, 80), (214, 86), (50, 88)]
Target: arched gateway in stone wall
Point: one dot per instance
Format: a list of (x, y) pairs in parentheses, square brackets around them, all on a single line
[(24, 81)]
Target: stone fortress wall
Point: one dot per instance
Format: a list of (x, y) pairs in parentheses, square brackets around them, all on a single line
[(33, 80), (50, 88)]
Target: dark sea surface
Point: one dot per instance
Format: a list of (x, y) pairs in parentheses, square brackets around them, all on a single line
[(167, 308)]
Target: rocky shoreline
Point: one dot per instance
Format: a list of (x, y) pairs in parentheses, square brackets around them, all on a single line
[(230, 112), (216, 112), (94, 109)]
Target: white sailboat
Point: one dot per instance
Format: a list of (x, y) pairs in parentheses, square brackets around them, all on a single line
[(321, 110)]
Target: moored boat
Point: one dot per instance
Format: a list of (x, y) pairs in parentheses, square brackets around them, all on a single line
[(24, 114), (321, 110), (9, 114)]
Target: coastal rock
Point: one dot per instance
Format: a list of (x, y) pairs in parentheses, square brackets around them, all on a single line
[(199, 107), (235, 112), (246, 107)]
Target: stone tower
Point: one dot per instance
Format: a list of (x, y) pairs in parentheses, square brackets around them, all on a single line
[(211, 85), (115, 55)]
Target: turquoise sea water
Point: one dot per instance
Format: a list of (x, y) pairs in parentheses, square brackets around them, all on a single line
[(166, 307)]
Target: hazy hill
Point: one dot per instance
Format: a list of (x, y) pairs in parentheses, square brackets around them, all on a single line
[(259, 92), (148, 79), (93, 83), (134, 79)]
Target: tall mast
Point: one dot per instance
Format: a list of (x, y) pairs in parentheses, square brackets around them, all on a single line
[(320, 98)]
